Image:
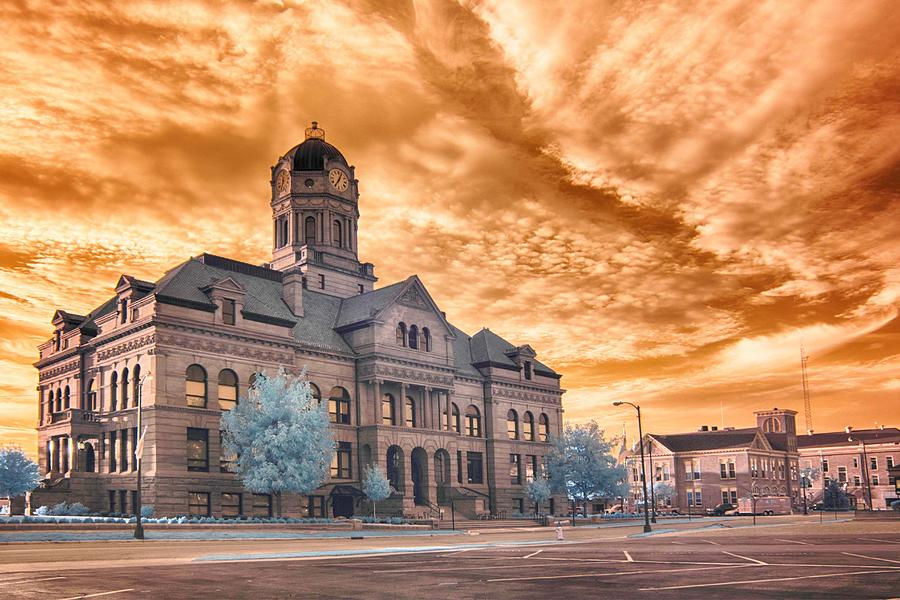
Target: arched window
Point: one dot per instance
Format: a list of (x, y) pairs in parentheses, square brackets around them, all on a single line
[(543, 428), (124, 388), (336, 231), (251, 381), (473, 421), (67, 398), (91, 397), (413, 337), (339, 405), (410, 412), (512, 425), (136, 385), (528, 426), (771, 425), (454, 418), (309, 230), (228, 389), (113, 390), (426, 339), (395, 468), (58, 400), (388, 412), (401, 334), (195, 388)]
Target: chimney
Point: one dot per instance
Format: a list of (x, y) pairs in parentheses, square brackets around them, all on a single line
[(848, 429), (292, 290), (704, 428)]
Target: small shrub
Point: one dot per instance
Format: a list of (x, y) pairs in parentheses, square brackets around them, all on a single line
[(147, 511), (42, 511), (396, 521)]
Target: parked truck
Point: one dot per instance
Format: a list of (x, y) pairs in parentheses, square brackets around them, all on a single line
[(765, 505)]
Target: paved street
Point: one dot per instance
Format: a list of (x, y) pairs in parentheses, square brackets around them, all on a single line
[(841, 560)]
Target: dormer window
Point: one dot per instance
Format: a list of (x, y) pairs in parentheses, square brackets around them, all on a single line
[(123, 310), (528, 370), (57, 341), (228, 311)]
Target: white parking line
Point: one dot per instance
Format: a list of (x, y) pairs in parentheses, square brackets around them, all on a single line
[(759, 562), (882, 541), (711, 542), (7, 582), (749, 581), (99, 594), (872, 557), (628, 556), (794, 542), (616, 573), (533, 554)]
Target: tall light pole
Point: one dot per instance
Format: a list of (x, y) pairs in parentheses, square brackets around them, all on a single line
[(643, 465), (652, 483), (138, 526)]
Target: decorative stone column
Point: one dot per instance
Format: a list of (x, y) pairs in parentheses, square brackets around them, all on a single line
[(378, 413), (54, 458), (401, 412), (428, 411)]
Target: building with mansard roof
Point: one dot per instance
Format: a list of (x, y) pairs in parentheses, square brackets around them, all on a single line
[(451, 416)]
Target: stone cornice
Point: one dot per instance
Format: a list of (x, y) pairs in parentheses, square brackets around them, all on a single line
[(377, 370), (521, 393), (145, 340)]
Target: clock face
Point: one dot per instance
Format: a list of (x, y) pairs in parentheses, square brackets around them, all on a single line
[(339, 180), (283, 183)]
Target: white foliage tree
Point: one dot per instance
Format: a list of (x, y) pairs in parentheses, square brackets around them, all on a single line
[(375, 486), (18, 473), (281, 436), (580, 462), (538, 492)]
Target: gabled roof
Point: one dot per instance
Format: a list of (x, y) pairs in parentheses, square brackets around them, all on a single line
[(708, 440), (489, 349), (839, 438)]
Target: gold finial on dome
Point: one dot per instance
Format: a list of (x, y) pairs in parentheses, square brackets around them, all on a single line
[(315, 131)]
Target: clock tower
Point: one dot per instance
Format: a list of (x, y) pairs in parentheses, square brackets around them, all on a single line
[(315, 213)]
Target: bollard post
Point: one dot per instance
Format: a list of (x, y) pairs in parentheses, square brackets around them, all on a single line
[(559, 532)]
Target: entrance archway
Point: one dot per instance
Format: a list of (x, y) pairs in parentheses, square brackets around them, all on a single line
[(89, 458), (442, 475), (419, 465), (395, 466)]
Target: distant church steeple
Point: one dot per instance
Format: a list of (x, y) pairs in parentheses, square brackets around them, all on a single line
[(315, 213)]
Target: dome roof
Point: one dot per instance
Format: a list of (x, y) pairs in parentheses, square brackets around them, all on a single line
[(312, 153)]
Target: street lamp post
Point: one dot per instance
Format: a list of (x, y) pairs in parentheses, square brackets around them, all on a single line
[(138, 526), (652, 483), (643, 466)]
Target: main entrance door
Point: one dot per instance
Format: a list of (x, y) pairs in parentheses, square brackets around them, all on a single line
[(342, 505)]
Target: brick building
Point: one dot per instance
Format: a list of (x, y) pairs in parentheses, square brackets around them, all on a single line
[(858, 459), (712, 465), (449, 415)]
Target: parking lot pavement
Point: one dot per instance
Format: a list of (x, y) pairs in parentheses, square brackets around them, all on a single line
[(688, 566)]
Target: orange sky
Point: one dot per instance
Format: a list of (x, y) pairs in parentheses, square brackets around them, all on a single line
[(665, 199)]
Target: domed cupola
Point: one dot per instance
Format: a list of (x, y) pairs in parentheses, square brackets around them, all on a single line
[(315, 211), (314, 152)]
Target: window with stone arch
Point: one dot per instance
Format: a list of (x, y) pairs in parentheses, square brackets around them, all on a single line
[(512, 425), (426, 339), (413, 337), (136, 384), (91, 397), (67, 398), (401, 334), (309, 230), (336, 233), (410, 412), (388, 410), (228, 389), (771, 425), (113, 390), (454, 418), (528, 426), (544, 428), (195, 386), (124, 388), (473, 421), (339, 406), (315, 393)]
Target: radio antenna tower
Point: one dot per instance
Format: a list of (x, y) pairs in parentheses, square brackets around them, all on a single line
[(804, 359)]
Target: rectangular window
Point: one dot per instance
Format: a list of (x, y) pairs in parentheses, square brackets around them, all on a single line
[(856, 480), (359, 288), (690, 498), (754, 469), (531, 467), (824, 465), (123, 451), (123, 501), (231, 505), (340, 461), (228, 312), (734, 497), (339, 410), (227, 461), (519, 505), (195, 393), (198, 504), (515, 469), (528, 369), (698, 498), (474, 467), (855, 462), (112, 501), (723, 471), (890, 462), (197, 449), (875, 480), (873, 462), (724, 496), (315, 506), (321, 281), (262, 505), (459, 469), (842, 474), (112, 451)]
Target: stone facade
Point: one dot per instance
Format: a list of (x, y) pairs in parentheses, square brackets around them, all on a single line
[(406, 389)]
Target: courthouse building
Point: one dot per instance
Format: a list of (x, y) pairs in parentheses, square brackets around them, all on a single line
[(451, 416)]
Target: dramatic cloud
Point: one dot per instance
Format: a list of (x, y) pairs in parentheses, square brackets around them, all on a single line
[(665, 199)]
